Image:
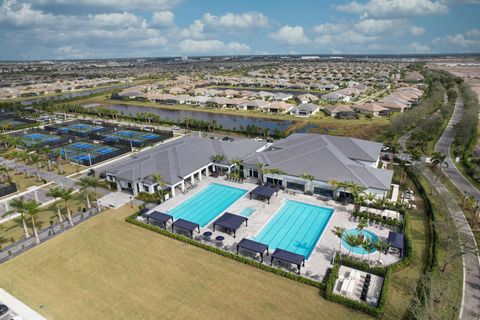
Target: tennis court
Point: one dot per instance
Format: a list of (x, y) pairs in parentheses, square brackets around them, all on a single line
[(137, 138), (11, 123), (36, 138), (86, 153), (80, 129)]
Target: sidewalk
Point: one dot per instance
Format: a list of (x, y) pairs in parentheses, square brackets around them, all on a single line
[(19, 307)]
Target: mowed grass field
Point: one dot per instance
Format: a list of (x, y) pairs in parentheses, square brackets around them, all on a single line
[(106, 268)]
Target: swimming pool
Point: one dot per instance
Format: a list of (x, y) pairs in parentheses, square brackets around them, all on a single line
[(207, 204), (247, 212), (358, 249), (296, 227)]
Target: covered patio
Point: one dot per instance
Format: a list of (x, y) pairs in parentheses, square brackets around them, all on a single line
[(230, 222), (186, 226), (289, 257), (253, 246), (263, 192), (159, 217)]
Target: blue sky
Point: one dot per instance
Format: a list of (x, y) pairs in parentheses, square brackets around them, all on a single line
[(65, 29)]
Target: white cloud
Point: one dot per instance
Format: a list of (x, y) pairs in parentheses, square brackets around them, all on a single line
[(115, 4), (241, 21), (416, 47), (474, 33), (163, 18), (394, 8), (291, 35), (194, 30), (376, 26), (458, 40), (330, 28), (416, 31), (212, 46), (349, 37)]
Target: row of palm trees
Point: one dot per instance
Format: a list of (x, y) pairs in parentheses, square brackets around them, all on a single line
[(28, 210)]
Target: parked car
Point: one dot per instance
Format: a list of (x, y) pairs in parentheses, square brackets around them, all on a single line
[(257, 139), (3, 309), (230, 139), (175, 127)]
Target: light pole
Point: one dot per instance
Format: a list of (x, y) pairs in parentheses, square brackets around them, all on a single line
[(131, 201)]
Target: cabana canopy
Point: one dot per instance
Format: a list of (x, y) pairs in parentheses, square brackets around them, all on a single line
[(289, 257), (253, 246), (186, 225), (159, 217), (396, 240), (263, 192), (230, 221)]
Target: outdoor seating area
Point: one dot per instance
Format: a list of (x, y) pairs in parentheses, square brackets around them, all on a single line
[(288, 257), (386, 213), (263, 193), (358, 285), (186, 226), (230, 222)]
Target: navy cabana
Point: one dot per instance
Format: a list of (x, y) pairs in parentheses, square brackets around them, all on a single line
[(252, 246), (160, 217), (397, 240), (186, 226), (263, 192), (289, 257), (230, 222)]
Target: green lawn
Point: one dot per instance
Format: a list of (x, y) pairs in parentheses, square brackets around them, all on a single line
[(106, 268)]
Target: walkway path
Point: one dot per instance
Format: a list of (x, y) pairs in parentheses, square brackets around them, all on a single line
[(18, 307)]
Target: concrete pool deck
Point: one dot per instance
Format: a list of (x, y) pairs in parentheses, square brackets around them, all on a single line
[(320, 259)]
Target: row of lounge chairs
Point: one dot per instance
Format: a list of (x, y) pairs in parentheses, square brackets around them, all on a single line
[(366, 285), (234, 179), (191, 187)]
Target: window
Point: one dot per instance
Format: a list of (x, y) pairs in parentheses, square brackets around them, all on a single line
[(296, 186), (129, 185), (253, 173), (323, 192), (146, 189)]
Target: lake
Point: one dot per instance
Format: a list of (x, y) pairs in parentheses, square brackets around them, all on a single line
[(227, 121)]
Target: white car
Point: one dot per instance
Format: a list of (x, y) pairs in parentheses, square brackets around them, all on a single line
[(257, 139), (175, 127)]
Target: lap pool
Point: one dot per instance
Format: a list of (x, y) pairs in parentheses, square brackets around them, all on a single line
[(207, 204), (296, 227)]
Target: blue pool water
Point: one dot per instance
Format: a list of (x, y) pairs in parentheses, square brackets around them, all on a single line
[(207, 204), (247, 212), (296, 227), (358, 249)]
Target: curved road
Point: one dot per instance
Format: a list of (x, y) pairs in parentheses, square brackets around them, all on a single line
[(471, 290)]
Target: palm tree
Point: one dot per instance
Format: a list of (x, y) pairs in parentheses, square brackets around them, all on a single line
[(84, 184), (157, 178), (366, 245), (66, 195), (356, 191), (308, 177), (381, 247), (94, 184), (339, 231), (352, 241), (55, 193), (18, 204), (361, 225), (58, 159), (237, 163), (32, 208), (335, 185), (261, 171), (36, 161), (46, 151), (370, 197)]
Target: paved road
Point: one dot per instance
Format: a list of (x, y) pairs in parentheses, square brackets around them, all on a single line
[(443, 146), (471, 295)]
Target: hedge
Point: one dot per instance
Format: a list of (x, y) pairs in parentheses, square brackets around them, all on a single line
[(292, 276)]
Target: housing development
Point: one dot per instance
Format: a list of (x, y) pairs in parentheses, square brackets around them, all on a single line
[(212, 179)]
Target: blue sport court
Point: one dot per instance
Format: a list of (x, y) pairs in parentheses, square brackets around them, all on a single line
[(206, 205), (136, 137), (296, 227), (80, 129), (34, 138), (87, 153)]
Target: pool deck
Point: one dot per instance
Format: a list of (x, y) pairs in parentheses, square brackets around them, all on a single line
[(320, 259)]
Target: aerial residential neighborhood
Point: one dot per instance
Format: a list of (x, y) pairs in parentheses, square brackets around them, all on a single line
[(179, 159)]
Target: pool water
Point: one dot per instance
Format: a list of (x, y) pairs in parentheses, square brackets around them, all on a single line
[(296, 227), (207, 204), (358, 249), (247, 212)]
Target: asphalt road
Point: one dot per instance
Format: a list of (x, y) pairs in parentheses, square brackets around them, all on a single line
[(471, 295)]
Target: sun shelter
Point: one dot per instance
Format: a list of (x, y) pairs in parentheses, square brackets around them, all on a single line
[(397, 240), (186, 226), (289, 257), (263, 192), (160, 217), (253, 246), (230, 222)]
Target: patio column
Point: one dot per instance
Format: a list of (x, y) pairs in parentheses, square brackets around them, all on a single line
[(119, 188), (182, 185), (200, 175), (173, 191), (192, 178)]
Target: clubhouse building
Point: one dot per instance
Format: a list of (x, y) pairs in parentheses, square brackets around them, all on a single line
[(183, 162)]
